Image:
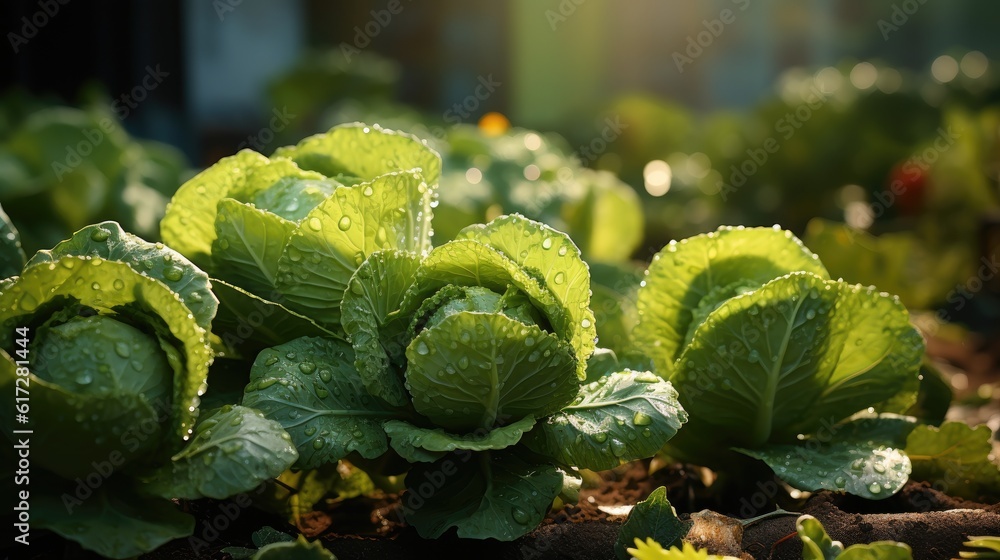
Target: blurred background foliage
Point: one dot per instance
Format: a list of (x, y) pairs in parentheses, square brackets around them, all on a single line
[(870, 128)]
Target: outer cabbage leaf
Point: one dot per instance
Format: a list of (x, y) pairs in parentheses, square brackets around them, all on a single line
[(481, 370), (109, 241), (391, 212), (788, 357), (233, 450), (863, 457), (249, 241), (359, 150), (417, 444), (552, 258), (618, 418), (189, 223), (110, 288), (246, 323), (310, 387), (369, 315), (614, 288), (686, 272), (494, 495), (116, 521), (283, 188)]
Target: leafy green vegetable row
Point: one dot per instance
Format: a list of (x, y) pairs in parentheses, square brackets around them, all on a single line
[(465, 364), (310, 278)]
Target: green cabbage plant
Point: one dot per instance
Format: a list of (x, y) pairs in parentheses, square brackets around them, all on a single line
[(282, 235), (773, 359), (468, 362), (105, 339), (465, 361)]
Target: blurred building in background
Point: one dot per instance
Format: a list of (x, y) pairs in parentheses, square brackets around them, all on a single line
[(556, 60)]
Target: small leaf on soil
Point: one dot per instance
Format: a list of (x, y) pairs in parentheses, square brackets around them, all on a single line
[(653, 517)]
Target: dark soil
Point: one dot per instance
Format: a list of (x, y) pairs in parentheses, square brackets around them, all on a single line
[(932, 523)]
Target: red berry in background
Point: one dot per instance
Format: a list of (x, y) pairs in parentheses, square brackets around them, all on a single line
[(908, 182)]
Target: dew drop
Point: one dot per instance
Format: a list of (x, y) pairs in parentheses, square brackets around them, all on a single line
[(560, 278), (99, 235), (172, 273), (344, 224), (422, 348), (307, 367), (318, 443), (316, 225), (547, 243), (874, 488), (641, 419), (28, 302), (265, 383), (617, 447)]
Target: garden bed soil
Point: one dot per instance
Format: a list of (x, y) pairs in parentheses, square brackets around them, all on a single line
[(932, 523)]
